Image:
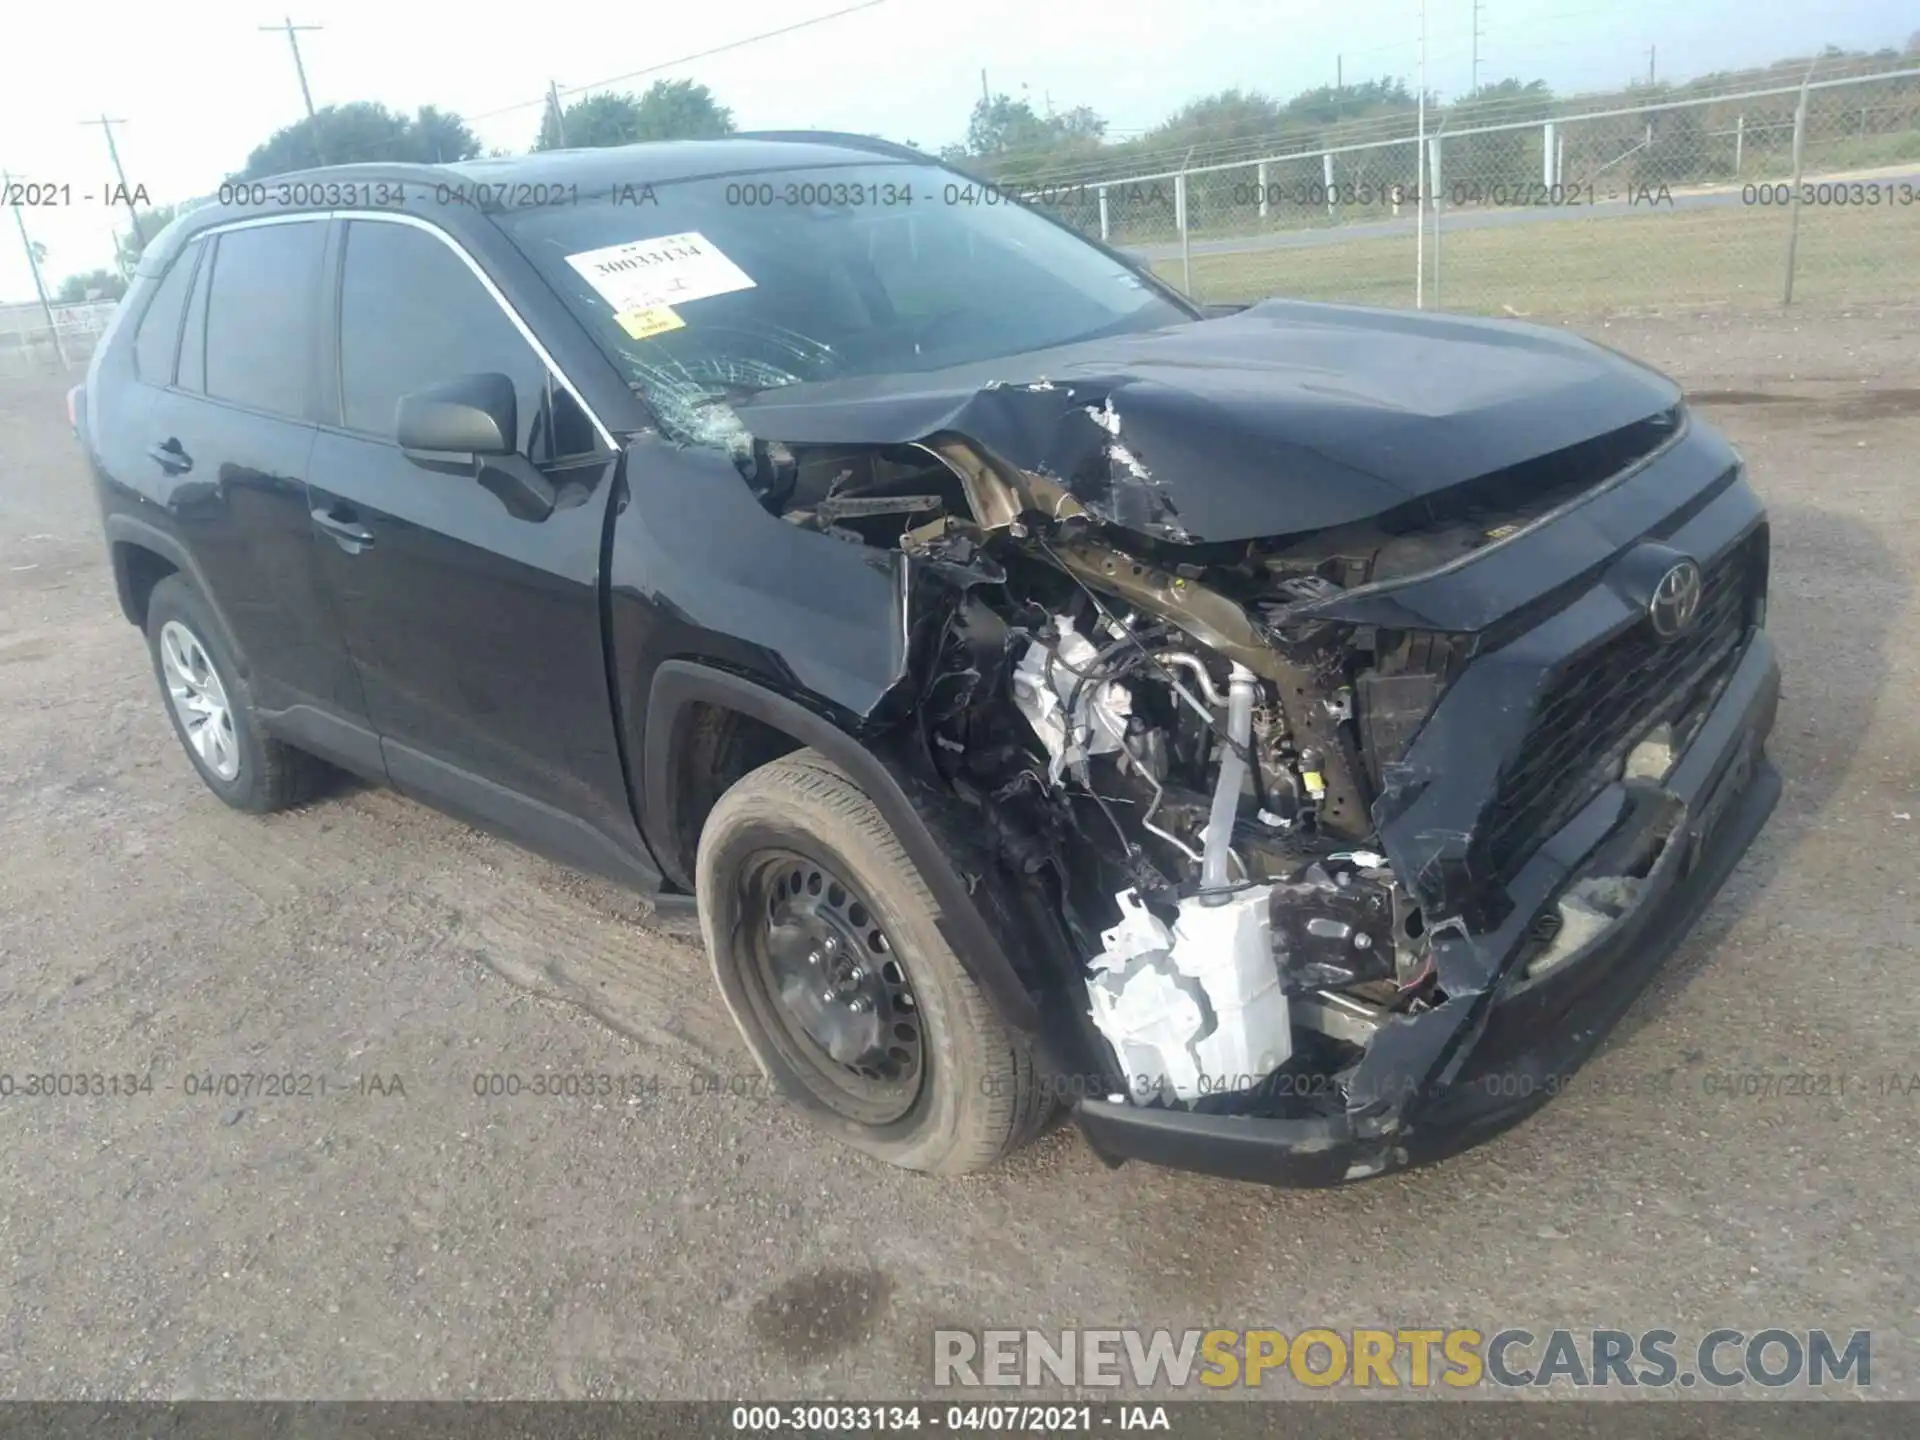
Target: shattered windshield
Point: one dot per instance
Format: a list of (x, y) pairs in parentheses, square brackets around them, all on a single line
[(703, 291)]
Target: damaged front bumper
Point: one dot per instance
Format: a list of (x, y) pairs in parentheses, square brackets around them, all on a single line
[(1459, 1073)]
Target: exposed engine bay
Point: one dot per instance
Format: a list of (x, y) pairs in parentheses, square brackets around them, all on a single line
[(1177, 624), (1164, 740), (1244, 906)]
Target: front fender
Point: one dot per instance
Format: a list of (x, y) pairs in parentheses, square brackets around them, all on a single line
[(975, 917)]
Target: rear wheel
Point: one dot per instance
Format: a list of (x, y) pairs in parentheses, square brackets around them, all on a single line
[(824, 945), (211, 707)]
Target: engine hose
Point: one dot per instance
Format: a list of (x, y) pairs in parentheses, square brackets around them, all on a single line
[(1228, 786)]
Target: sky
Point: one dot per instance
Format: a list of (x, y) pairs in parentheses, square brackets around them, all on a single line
[(198, 86)]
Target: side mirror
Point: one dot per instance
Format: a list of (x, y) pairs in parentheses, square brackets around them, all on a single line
[(469, 414), (475, 416)]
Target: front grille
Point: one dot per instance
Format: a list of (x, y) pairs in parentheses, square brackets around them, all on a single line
[(1600, 702)]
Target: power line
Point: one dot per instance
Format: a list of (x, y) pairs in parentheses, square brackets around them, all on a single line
[(682, 60), (550, 100)]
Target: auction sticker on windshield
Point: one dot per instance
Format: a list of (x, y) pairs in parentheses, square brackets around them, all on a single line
[(642, 323), (651, 274)]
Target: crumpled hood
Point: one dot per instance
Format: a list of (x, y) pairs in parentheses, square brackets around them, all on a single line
[(1284, 418)]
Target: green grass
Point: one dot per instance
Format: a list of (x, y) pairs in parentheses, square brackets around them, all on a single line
[(1855, 152), (1733, 257)]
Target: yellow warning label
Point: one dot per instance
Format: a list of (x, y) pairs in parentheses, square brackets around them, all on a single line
[(642, 323)]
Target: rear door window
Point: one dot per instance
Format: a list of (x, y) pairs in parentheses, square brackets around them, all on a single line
[(412, 315), (260, 316), (158, 337)]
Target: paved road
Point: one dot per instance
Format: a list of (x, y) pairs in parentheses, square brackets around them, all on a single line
[(1616, 198), (695, 1242)]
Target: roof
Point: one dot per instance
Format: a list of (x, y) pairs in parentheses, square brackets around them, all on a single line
[(660, 162), (597, 170), (650, 163)]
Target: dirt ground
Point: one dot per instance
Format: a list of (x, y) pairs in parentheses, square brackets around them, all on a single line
[(701, 1243)]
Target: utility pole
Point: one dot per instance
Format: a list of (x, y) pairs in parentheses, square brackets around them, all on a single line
[(39, 286), (1474, 74), (126, 190), (293, 40), (559, 115), (985, 99), (1650, 50)]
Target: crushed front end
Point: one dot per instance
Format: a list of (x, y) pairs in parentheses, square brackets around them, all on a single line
[(1553, 790), (1359, 838)]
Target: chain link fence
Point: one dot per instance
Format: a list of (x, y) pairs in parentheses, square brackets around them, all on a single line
[(29, 347), (1680, 202), (1807, 192)]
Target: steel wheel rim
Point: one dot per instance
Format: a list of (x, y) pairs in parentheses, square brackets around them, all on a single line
[(199, 700), (835, 986)]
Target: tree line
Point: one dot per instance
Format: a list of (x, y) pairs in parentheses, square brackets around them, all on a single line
[(365, 131), (1009, 141)]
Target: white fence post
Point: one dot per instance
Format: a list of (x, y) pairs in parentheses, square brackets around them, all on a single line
[(1611, 131), (1433, 165), (1180, 223), (1799, 160)]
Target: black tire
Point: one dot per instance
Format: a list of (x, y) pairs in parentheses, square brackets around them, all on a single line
[(272, 775), (977, 1097)]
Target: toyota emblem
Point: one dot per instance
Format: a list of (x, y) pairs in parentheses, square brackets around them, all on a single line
[(1676, 601)]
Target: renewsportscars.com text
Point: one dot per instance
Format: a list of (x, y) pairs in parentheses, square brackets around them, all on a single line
[(1458, 1358)]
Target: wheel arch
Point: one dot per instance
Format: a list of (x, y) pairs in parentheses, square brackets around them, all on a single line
[(685, 697), (142, 556)]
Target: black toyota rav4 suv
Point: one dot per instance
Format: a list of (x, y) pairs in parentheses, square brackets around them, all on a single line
[(1286, 739)]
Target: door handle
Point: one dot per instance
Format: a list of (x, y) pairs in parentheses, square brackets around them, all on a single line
[(348, 533), (171, 456)]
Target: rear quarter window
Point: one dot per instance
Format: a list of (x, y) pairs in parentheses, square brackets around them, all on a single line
[(191, 373), (157, 340), (260, 316)]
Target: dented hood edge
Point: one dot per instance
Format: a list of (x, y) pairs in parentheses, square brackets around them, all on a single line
[(1282, 419)]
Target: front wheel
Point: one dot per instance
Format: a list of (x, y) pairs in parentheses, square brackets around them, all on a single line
[(824, 945)]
